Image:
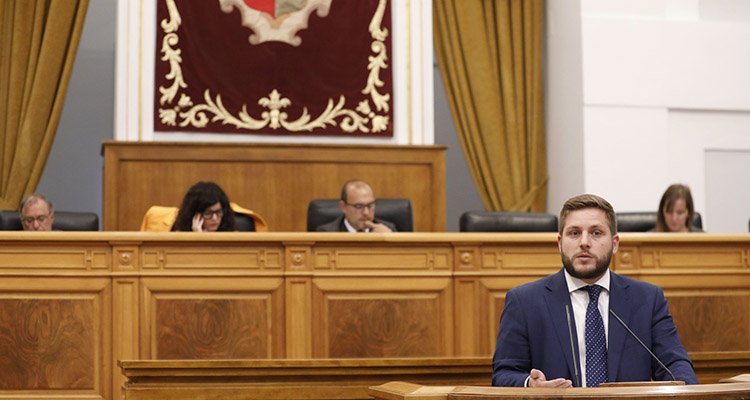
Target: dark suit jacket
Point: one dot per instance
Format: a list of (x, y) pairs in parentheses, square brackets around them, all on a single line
[(534, 334), (337, 225)]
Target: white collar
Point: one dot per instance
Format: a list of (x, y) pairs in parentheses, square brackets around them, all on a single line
[(350, 228), (575, 283)]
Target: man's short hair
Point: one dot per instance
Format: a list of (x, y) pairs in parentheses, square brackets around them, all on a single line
[(583, 201), (352, 183), (33, 198)]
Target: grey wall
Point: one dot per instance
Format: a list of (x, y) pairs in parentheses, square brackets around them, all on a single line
[(72, 178)]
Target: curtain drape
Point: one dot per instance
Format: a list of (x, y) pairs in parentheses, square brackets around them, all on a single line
[(490, 56), (38, 43)]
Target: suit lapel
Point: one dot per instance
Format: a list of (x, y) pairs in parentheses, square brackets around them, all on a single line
[(618, 302), (557, 297)]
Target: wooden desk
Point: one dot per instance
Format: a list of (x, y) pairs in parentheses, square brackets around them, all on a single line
[(409, 391), (342, 379), (275, 180), (312, 379), (73, 303)]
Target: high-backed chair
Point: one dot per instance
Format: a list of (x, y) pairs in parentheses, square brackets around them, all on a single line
[(506, 221), (397, 211), (64, 221), (644, 221)]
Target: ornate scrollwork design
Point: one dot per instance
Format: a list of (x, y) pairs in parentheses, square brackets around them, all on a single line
[(185, 112)]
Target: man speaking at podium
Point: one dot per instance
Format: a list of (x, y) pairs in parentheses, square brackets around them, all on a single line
[(582, 326)]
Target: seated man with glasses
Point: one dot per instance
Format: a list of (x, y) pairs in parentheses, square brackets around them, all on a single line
[(37, 213), (358, 205)]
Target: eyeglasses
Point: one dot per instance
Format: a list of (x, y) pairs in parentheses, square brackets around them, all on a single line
[(360, 207), (208, 214), (30, 220)]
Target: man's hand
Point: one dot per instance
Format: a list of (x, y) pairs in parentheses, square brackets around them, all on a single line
[(537, 379), (379, 228), (197, 222)]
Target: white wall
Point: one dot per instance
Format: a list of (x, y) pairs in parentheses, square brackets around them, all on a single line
[(666, 98), (563, 103)]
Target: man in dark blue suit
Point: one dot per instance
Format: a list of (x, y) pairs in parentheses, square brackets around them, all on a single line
[(534, 346)]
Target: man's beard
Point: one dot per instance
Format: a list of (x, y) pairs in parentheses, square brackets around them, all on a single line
[(601, 267)]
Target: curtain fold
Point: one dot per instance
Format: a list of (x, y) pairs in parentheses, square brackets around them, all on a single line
[(490, 56), (38, 43)]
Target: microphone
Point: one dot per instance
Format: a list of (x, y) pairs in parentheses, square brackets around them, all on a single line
[(641, 343), (572, 347)]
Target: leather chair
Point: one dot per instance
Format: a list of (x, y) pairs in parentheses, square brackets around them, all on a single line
[(244, 223), (644, 221), (397, 211), (506, 221), (64, 221)]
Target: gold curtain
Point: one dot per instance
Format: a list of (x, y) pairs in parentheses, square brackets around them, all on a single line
[(38, 42), (490, 57)]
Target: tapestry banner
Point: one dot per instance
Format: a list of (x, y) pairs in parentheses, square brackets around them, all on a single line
[(274, 67)]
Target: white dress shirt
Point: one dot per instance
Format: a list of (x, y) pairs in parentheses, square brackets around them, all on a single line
[(580, 301)]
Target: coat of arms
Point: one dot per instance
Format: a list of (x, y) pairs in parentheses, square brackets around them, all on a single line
[(276, 20)]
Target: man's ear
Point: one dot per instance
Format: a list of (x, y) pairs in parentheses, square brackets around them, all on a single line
[(615, 243), (559, 242), (342, 205)]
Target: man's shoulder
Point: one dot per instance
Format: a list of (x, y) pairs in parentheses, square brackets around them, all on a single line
[(333, 226), (534, 287), (634, 284)]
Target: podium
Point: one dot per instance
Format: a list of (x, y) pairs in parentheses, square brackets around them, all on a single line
[(411, 391)]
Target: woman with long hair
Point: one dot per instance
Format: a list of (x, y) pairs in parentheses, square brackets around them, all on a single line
[(676, 210), (205, 208)]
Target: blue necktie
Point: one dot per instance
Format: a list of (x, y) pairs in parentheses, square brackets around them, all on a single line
[(596, 341)]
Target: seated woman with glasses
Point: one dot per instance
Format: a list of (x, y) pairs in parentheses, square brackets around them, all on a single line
[(205, 208)]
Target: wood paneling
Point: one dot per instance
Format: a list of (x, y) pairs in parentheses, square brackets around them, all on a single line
[(212, 328), (712, 321), (132, 295), (55, 335), (275, 180), (213, 318), (47, 344)]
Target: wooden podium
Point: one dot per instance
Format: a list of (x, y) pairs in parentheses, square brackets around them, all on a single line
[(410, 391)]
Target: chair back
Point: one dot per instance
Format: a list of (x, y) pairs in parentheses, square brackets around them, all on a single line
[(506, 221), (644, 221), (64, 221), (397, 211), (161, 219), (244, 223)]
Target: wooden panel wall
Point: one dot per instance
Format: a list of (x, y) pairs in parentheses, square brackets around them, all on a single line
[(275, 180), (73, 303)]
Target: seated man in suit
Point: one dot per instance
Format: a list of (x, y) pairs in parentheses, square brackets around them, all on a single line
[(586, 307), (358, 205), (37, 213)]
